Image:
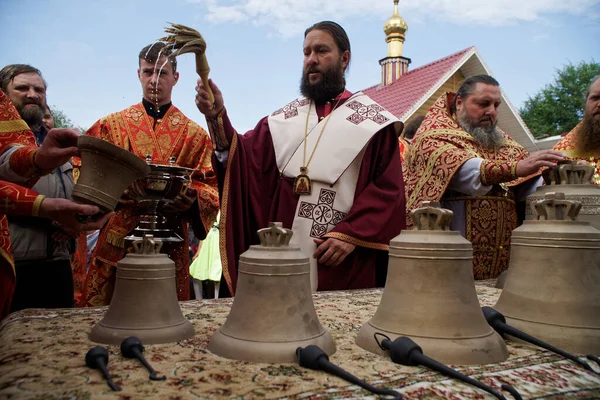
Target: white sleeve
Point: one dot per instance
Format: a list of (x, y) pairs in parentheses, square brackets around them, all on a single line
[(6, 173), (467, 179), (528, 187)]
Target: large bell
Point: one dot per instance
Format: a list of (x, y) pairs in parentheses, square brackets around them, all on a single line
[(575, 180), (144, 303), (430, 295), (273, 312), (552, 289), (106, 171)]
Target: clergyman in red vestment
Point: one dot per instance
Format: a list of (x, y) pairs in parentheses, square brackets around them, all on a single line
[(460, 157), (155, 127), (583, 142), (344, 145)]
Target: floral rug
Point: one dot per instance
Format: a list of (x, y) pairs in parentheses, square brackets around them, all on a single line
[(42, 357)]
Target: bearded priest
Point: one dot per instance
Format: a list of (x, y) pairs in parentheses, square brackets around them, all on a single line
[(461, 158), (326, 165)]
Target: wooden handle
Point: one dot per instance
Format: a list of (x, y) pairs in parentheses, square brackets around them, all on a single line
[(203, 69)]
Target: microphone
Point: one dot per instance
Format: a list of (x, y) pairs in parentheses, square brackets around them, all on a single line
[(132, 347), (97, 358), (314, 358), (405, 351), (498, 322)]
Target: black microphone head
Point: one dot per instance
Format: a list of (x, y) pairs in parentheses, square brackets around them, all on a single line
[(310, 356), (129, 345), (403, 349), (494, 318), (96, 354)]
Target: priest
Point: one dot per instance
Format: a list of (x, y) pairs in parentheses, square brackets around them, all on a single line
[(326, 165), (583, 142), (460, 157)]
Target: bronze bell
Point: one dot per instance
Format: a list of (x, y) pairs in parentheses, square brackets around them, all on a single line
[(575, 180), (144, 303), (106, 171), (430, 295), (273, 312), (552, 288)]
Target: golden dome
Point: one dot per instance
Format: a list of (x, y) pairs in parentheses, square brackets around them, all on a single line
[(396, 24)]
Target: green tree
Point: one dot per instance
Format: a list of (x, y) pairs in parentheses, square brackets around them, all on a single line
[(559, 106), (62, 121)]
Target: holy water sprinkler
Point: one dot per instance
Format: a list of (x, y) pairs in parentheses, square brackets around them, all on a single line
[(184, 40)]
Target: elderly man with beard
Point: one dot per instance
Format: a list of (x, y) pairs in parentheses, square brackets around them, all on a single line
[(325, 165), (583, 142), (41, 248), (460, 158)]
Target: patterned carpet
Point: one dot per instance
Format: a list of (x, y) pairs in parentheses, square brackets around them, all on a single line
[(42, 357)]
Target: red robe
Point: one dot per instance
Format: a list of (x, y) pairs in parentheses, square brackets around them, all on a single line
[(254, 193), (174, 135), (437, 152), (14, 199)]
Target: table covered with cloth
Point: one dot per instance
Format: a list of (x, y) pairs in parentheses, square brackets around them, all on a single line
[(42, 357)]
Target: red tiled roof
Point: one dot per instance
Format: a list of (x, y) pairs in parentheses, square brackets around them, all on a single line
[(401, 96)]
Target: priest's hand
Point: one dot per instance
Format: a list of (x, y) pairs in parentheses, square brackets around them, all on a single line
[(182, 202), (58, 148), (537, 160), (64, 211), (210, 110), (332, 252)]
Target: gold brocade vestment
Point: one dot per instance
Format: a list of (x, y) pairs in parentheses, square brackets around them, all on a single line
[(174, 135), (438, 150)]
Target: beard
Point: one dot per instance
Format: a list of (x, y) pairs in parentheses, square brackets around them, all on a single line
[(332, 82), (489, 137), (588, 137), (31, 115)]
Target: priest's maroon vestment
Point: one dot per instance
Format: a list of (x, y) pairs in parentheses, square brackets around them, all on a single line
[(255, 192)]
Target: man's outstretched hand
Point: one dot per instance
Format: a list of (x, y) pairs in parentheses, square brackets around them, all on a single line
[(64, 211), (57, 148)]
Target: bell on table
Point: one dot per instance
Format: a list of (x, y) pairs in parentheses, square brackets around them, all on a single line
[(144, 303), (552, 289), (430, 295), (575, 180), (106, 171), (273, 312)]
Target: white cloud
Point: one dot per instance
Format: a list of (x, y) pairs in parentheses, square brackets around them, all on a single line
[(289, 17)]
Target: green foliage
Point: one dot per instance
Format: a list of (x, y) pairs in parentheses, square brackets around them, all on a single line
[(559, 106), (62, 121)]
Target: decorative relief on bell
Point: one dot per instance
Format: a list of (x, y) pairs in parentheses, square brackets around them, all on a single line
[(148, 158), (275, 235), (430, 216), (555, 207), (147, 246), (569, 172)]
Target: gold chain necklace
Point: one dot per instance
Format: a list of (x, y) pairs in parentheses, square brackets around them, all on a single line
[(302, 183)]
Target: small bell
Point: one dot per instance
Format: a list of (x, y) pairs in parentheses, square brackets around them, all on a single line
[(144, 302), (575, 180), (430, 295), (273, 312), (552, 289)]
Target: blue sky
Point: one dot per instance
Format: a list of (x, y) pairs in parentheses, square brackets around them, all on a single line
[(87, 50)]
